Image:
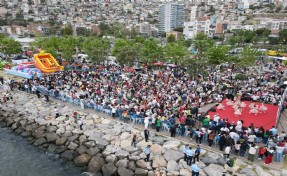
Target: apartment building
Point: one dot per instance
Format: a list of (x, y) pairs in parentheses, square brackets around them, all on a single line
[(171, 15)]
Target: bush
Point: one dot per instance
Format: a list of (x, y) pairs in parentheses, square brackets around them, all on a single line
[(241, 77)]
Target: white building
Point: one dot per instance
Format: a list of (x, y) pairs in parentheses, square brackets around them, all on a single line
[(192, 28), (193, 13), (171, 15)]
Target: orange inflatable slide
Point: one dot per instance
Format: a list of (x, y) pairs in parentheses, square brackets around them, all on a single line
[(46, 62)]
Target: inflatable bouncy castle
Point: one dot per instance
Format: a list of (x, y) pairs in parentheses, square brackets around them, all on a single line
[(43, 63)]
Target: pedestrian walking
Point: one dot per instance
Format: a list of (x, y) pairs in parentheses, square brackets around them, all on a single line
[(196, 153), (146, 134), (80, 122), (211, 137), (56, 110), (147, 152), (185, 147), (227, 151), (134, 139), (195, 169), (190, 154), (172, 131)]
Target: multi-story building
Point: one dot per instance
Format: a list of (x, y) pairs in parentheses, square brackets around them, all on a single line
[(171, 15), (201, 25)]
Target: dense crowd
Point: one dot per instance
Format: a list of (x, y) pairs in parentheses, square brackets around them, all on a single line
[(169, 99)]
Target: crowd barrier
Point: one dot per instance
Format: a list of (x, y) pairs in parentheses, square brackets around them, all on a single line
[(280, 107)]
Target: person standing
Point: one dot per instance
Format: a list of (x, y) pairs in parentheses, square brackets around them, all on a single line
[(172, 131), (146, 134), (134, 139), (243, 148), (184, 152), (80, 122), (158, 124), (279, 153), (268, 159), (196, 154), (227, 151), (56, 110), (195, 169), (211, 137), (251, 152), (38, 93), (190, 154), (222, 142), (147, 152)]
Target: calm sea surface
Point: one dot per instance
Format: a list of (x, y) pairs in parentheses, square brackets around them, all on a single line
[(19, 158)]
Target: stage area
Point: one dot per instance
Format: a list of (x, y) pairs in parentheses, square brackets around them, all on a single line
[(267, 120)]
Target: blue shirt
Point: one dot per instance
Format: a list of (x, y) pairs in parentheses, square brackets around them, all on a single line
[(189, 152), (274, 131), (147, 150), (195, 168), (184, 149)]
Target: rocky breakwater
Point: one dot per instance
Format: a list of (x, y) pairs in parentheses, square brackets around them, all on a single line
[(104, 146)]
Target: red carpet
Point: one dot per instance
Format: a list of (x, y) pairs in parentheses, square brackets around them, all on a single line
[(267, 120)]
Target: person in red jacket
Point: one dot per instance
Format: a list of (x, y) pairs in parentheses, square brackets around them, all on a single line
[(261, 152)]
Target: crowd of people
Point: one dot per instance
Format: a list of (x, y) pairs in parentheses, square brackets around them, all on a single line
[(169, 99)]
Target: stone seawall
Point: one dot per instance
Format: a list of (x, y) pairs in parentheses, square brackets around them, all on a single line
[(103, 147)]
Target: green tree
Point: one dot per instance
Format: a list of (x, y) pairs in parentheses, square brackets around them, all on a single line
[(171, 38), (126, 51), (151, 51), (234, 40), (283, 36), (202, 43), (247, 57), (217, 55), (10, 46), (176, 52), (97, 49), (263, 32), (82, 31), (3, 22), (67, 30)]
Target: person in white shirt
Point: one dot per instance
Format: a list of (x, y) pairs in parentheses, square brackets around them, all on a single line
[(227, 152), (216, 119), (252, 152)]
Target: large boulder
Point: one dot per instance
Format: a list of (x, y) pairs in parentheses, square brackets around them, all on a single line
[(144, 165), (69, 155), (82, 160), (171, 145), (40, 141), (172, 166), (96, 164), (125, 172), (72, 146), (158, 140), (93, 151), (159, 161), (26, 134), (208, 160), (156, 149), (213, 170), (52, 148), (38, 133), (141, 172), (109, 169), (122, 163), (52, 137), (132, 165), (261, 172), (82, 149), (248, 172), (121, 154), (111, 158), (173, 155), (61, 141), (143, 144), (184, 172)]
